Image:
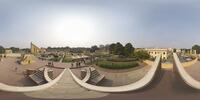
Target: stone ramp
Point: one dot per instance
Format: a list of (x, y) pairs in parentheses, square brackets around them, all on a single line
[(66, 88)]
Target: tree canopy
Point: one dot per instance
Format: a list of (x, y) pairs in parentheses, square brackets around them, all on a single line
[(142, 54), (94, 48), (2, 50), (119, 49), (197, 48), (14, 49), (128, 49)]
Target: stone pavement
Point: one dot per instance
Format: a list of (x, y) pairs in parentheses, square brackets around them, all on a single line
[(66, 88)]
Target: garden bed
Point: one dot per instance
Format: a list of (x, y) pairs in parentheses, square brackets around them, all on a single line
[(117, 65)]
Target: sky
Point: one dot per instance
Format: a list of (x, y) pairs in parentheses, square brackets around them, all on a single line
[(83, 23)]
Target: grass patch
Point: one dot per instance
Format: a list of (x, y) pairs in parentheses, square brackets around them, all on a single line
[(67, 58), (117, 65), (56, 59), (121, 59)]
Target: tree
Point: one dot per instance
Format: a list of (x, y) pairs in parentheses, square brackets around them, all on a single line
[(119, 49), (112, 48), (174, 50), (2, 50), (14, 49), (197, 48), (94, 48), (142, 55), (128, 49)]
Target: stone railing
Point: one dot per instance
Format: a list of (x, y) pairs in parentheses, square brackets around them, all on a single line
[(46, 76), (88, 74), (8, 88), (146, 80), (180, 71)]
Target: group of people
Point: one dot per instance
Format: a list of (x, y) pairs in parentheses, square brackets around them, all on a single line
[(77, 63), (50, 64)]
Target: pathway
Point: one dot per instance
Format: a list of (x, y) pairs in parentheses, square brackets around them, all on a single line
[(66, 88)]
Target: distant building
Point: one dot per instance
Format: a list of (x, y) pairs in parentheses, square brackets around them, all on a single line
[(188, 51), (43, 50), (36, 50), (157, 51), (8, 51)]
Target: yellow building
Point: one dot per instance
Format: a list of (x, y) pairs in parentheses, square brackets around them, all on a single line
[(35, 49), (157, 51)]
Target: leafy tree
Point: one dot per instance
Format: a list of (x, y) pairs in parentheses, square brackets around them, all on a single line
[(14, 49), (142, 55), (94, 48), (2, 50), (119, 49), (128, 49), (112, 48), (174, 50), (197, 48)]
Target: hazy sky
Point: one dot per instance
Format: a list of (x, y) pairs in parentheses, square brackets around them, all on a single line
[(145, 23)]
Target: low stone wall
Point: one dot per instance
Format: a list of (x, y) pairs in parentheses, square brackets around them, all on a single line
[(146, 80), (13, 55), (8, 88), (170, 65), (46, 76), (88, 74), (181, 73)]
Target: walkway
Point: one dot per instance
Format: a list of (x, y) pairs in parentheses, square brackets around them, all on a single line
[(194, 70), (165, 87), (66, 88)]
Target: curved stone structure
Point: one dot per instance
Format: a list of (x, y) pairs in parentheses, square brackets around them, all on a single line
[(8, 88), (146, 80), (88, 74), (46, 76), (178, 68)]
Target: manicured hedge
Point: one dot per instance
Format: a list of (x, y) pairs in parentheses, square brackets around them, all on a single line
[(55, 59), (67, 59), (121, 59), (117, 65)]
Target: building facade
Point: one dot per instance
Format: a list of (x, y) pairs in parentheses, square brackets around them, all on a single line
[(153, 52), (34, 49)]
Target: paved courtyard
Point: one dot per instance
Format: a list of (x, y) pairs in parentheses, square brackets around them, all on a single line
[(119, 77), (166, 87), (9, 74), (66, 88), (194, 70)]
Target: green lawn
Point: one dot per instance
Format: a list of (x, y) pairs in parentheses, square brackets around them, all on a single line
[(67, 58), (117, 65)]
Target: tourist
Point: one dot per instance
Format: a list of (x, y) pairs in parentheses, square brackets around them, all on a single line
[(72, 64), (16, 68), (52, 64), (79, 64), (76, 64)]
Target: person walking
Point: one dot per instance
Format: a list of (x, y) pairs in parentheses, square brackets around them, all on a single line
[(72, 64), (16, 68)]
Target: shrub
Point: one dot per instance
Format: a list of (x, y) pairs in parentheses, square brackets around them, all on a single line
[(117, 65), (121, 59), (67, 59), (55, 59), (142, 55)]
